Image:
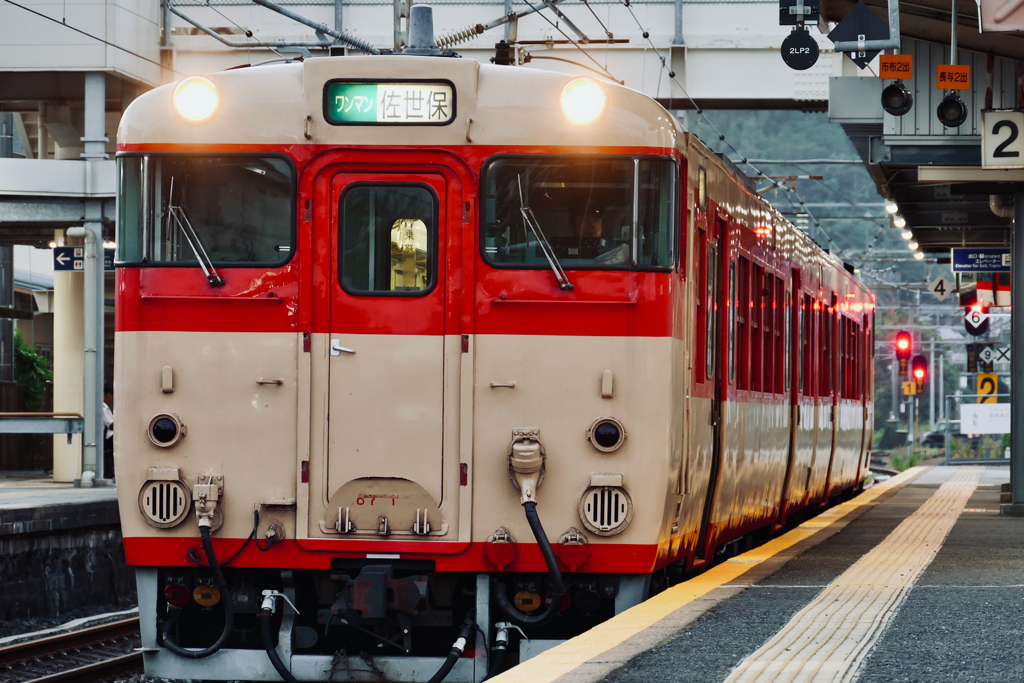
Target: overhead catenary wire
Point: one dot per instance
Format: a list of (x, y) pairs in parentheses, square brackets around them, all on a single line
[(743, 159), (573, 42), (96, 38)]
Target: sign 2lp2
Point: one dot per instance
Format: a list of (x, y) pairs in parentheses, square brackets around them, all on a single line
[(1002, 138)]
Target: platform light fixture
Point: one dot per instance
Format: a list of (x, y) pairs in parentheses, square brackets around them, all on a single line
[(907, 234), (919, 255), (897, 100), (913, 245), (196, 98), (899, 221), (583, 100), (891, 207)]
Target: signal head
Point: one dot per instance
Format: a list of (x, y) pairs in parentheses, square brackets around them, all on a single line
[(919, 368), (903, 344), (896, 99), (952, 111)]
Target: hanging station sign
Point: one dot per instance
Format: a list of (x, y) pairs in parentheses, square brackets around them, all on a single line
[(980, 260), (430, 103)]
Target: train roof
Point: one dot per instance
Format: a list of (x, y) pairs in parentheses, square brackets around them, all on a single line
[(282, 104)]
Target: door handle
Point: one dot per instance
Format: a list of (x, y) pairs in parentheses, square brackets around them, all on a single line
[(337, 349)]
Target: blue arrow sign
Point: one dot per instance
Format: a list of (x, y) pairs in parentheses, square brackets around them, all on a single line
[(980, 260), (73, 259)]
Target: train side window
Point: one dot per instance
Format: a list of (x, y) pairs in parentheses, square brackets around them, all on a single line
[(743, 308), (785, 341), (711, 313), (757, 324), (702, 297), (810, 322), (236, 210), (733, 303), (388, 239)]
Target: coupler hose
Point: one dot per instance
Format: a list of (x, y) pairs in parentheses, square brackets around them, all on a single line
[(468, 627), (499, 651), (229, 612), (557, 585), (268, 645)]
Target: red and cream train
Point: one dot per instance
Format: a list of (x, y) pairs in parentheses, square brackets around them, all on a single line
[(372, 310)]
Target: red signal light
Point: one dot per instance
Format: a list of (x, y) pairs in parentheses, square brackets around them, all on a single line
[(919, 374), (902, 344), (919, 370)]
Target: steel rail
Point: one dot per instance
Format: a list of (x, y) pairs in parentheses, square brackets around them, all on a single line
[(97, 671), (46, 653)]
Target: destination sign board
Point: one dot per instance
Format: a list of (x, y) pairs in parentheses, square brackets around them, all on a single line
[(980, 260), (389, 103)]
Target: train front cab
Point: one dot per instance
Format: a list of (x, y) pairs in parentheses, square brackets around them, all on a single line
[(408, 339)]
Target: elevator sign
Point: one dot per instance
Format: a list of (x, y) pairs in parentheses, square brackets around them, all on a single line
[(980, 260), (389, 103), (73, 259)]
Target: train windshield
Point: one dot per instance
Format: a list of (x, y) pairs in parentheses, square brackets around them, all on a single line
[(189, 209), (595, 212)]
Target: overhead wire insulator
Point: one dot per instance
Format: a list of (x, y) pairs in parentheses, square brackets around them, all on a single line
[(461, 36)]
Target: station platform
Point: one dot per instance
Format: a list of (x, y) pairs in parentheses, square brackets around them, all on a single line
[(917, 579), (61, 549)]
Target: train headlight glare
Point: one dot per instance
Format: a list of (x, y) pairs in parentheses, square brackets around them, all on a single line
[(196, 98), (165, 430), (583, 100)]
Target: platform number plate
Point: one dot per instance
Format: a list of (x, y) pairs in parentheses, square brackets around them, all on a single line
[(1002, 138), (941, 288)]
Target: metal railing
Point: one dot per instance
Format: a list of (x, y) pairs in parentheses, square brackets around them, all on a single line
[(955, 401), (42, 423)]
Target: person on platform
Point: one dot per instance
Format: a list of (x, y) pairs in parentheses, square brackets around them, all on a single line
[(108, 431)]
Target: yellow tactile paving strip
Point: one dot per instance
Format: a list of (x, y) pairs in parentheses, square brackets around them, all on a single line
[(560, 660), (827, 640)]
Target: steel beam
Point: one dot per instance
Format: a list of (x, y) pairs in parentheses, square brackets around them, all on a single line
[(1016, 507)]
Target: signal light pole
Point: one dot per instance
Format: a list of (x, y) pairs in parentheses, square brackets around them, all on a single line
[(1016, 507)]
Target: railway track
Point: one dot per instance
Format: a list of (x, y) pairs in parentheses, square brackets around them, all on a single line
[(88, 655)]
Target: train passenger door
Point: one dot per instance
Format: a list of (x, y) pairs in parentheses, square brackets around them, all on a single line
[(385, 360)]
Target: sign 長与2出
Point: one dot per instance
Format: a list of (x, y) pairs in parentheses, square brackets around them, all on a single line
[(389, 103)]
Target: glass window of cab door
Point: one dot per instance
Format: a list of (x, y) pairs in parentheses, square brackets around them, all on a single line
[(388, 239), (179, 209)]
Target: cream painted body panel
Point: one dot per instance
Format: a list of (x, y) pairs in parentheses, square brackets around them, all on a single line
[(398, 422), (558, 390), (235, 427), (485, 96), (386, 407)]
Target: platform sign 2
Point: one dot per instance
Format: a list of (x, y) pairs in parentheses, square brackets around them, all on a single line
[(988, 387), (73, 259), (1002, 138)]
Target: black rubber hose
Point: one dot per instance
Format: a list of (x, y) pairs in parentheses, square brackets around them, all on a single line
[(557, 585), (229, 611), (453, 655), (498, 663), (268, 645)]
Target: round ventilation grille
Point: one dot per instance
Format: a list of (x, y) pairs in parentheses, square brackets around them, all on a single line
[(606, 510), (164, 503)]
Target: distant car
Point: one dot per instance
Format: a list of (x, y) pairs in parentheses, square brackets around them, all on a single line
[(937, 438)]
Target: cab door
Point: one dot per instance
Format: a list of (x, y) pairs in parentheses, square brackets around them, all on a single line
[(385, 460)]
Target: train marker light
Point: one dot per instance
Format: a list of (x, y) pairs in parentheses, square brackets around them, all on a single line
[(897, 99), (206, 596), (583, 100), (196, 98), (903, 348), (919, 370), (176, 595), (952, 111)]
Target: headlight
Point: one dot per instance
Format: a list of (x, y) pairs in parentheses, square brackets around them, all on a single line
[(583, 100), (165, 430), (196, 98), (606, 434)]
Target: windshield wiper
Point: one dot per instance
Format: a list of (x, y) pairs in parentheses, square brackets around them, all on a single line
[(549, 253), (180, 218)]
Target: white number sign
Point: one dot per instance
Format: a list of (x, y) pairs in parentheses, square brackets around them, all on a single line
[(987, 354), (941, 288), (1002, 138), (976, 318)]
